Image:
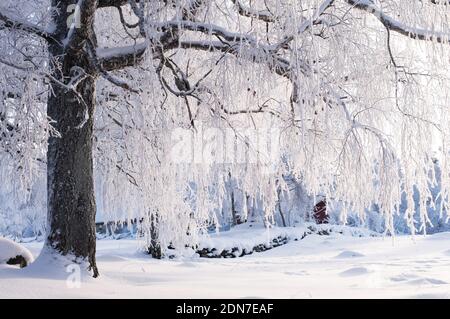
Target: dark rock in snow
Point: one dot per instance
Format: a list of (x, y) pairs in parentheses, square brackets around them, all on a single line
[(12, 253), (18, 260)]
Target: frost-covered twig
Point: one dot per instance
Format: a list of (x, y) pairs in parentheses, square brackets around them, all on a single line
[(396, 26)]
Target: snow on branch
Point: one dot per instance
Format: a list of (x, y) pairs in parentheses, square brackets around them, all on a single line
[(308, 23), (206, 28), (275, 63), (444, 2), (263, 15), (117, 58), (396, 26)]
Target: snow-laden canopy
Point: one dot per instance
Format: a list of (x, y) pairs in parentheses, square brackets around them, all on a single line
[(348, 96)]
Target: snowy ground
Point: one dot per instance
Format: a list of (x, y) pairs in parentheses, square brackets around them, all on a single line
[(334, 266)]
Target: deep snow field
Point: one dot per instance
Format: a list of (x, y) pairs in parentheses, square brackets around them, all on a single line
[(332, 266)]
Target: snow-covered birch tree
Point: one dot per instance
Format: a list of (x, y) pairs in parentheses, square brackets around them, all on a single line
[(357, 88)]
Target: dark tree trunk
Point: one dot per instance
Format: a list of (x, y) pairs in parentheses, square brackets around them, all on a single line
[(233, 210), (70, 183), (155, 246), (283, 220)]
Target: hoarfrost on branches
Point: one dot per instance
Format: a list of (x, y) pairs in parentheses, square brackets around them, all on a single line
[(351, 96)]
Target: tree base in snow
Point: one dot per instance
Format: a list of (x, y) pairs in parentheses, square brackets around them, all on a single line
[(53, 264)]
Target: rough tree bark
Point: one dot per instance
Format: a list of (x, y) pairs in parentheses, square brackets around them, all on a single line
[(70, 183), (233, 210), (155, 246), (70, 186)]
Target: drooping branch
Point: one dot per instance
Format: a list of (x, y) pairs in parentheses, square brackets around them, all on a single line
[(396, 26), (70, 86), (308, 23), (124, 22), (190, 11), (17, 67), (15, 24)]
